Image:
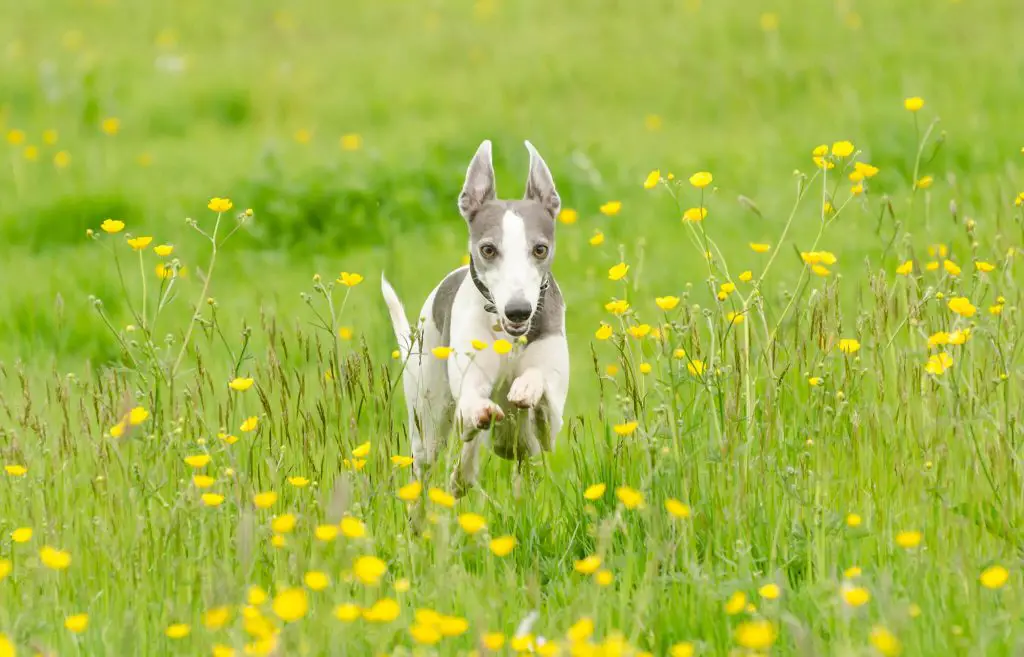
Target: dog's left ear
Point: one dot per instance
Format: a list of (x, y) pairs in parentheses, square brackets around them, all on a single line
[(540, 186)]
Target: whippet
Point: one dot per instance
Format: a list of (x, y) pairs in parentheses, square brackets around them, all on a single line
[(505, 296)]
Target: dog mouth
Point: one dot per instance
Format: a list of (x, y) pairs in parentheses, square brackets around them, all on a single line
[(515, 329)]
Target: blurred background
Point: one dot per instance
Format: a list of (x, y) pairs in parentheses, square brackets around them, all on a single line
[(347, 126)]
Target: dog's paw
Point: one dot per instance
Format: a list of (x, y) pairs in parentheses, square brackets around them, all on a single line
[(481, 414), (527, 389)]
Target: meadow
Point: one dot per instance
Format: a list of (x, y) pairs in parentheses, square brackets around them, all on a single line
[(790, 251)]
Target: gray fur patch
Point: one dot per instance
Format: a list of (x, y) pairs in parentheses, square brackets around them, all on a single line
[(550, 315), (444, 299)]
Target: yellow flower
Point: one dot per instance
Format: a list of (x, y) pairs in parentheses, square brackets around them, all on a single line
[(770, 591), (22, 535), (652, 179), (852, 572), (442, 353), (255, 596), (212, 499), (909, 539), (283, 524), (842, 149), (347, 612), (679, 353), (112, 226), (111, 126), (352, 527), (695, 214), (298, 482), (345, 332), (278, 541), (472, 523), (369, 569), (228, 438), (639, 331), (326, 533), (865, 169), (924, 183), (77, 623), (645, 368), (291, 604), (218, 204), (217, 617), (5, 569), (139, 243), (163, 250), (400, 461), (849, 346), (823, 163), (493, 641), (177, 631), (736, 603), (626, 428), (618, 272), (996, 309), (382, 611), (197, 460), (885, 642), (696, 367), (203, 481), (701, 179), (441, 498), (994, 577), (62, 159), (362, 450), (951, 267), (629, 497), (502, 347), (589, 565), (503, 545), (746, 276), (906, 268), (815, 380), (316, 580), (604, 332), (402, 585), (568, 216), (984, 267), (479, 345), (856, 596), (667, 303), (853, 520), (617, 306), (961, 306), (581, 630), (427, 635), (611, 208), (16, 137), (734, 318), (241, 384), (350, 142), (820, 150), (597, 238), (15, 470), (264, 500), (677, 508), (349, 280), (604, 577), (594, 491), (857, 189), (410, 491), (938, 363), (758, 247), (913, 104)]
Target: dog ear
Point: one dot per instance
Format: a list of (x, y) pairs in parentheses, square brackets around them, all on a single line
[(479, 186), (540, 186)]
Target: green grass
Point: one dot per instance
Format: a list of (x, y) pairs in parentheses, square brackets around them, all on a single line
[(769, 465)]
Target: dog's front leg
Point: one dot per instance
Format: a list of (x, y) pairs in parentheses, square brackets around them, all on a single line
[(542, 385), (472, 378)]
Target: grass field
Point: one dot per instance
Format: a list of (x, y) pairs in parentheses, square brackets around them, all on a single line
[(802, 437)]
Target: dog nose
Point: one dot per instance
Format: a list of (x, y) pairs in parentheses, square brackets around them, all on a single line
[(518, 310)]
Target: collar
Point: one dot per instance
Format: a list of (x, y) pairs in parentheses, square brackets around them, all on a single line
[(489, 307)]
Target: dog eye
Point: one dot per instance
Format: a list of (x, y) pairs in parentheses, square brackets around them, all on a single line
[(540, 251), (488, 251)]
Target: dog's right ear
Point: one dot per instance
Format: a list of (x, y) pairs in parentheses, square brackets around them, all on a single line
[(479, 187)]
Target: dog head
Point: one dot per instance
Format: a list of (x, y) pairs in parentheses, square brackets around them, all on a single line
[(511, 243)]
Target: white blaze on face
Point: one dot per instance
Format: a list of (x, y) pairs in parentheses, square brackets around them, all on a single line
[(516, 276)]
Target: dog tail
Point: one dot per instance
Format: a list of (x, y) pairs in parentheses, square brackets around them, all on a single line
[(403, 332)]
